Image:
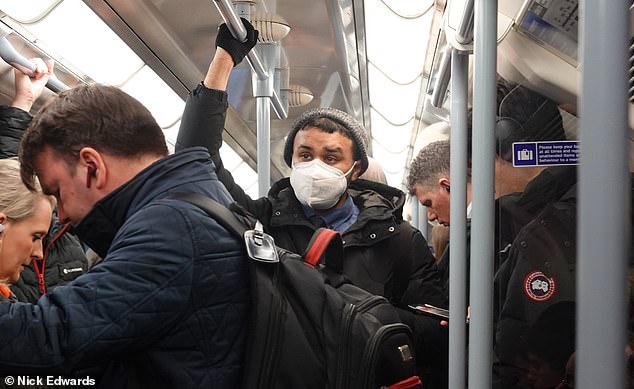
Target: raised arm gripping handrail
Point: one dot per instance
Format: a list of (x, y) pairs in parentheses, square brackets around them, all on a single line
[(239, 32), (13, 58)]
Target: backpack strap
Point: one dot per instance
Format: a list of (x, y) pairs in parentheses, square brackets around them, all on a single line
[(400, 247), (259, 245), (328, 242), (217, 211), (323, 241)]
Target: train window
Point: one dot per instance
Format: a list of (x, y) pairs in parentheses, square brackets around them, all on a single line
[(79, 36), (160, 99), (244, 175), (248, 179), (26, 11), (171, 133)]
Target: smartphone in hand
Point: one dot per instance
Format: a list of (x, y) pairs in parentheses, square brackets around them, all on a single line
[(430, 310)]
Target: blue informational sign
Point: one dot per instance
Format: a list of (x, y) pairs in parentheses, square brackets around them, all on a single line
[(546, 153)]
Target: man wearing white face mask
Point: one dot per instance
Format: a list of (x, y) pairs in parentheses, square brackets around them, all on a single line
[(318, 185), (327, 154), (326, 151)]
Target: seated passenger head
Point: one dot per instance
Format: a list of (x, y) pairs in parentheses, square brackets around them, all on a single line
[(428, 180), (86, 142), (525, 116), (25, 217), (326, 151)]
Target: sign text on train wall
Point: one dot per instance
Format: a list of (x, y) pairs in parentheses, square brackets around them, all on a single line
[(555, 153)]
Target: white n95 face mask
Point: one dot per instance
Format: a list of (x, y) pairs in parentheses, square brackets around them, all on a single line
[(318, 185)]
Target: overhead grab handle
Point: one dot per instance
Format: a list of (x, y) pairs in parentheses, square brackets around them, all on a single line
[(225, 7), (464, 35), (239, 32), (443, 76), (13, 58)]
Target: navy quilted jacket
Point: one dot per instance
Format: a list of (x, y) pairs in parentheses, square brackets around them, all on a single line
[(167, 308)]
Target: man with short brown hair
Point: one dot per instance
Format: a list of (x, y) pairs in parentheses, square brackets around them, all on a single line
[(167, 306)]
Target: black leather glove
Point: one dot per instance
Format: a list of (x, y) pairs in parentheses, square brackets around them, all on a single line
[(238, 50)]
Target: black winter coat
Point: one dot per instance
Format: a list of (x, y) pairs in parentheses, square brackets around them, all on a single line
[(64, 257), (539, 269)]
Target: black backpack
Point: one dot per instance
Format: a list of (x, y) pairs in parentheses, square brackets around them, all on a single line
[(309, 327)]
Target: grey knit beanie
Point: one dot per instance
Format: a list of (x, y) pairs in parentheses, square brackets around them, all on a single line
[(350, 125)]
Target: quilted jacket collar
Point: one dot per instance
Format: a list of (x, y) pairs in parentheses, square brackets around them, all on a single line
[(99, 228)]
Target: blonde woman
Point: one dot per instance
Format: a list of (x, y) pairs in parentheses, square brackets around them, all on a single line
[(25, 217)]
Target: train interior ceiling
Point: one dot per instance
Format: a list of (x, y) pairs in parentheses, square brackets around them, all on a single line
[(383, 61)]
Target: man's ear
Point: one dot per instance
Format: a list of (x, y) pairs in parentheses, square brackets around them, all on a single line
[(3, 218), (444, 184), (92, 164)]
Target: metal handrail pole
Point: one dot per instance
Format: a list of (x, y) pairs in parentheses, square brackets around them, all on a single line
[(483, 209), (263, 109), (458, 220), (603, 231)]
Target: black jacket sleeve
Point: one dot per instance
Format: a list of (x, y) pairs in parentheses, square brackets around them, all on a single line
[(13, 123), (424, 286), (424, 283), (201, 125)]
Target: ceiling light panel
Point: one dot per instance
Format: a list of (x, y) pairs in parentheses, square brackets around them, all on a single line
[(408, 8), (395, 44), (394, 101)]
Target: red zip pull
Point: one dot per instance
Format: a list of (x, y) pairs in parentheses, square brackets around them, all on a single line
[(40, 271), (40, 282), (5, 291), (411, 382)]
